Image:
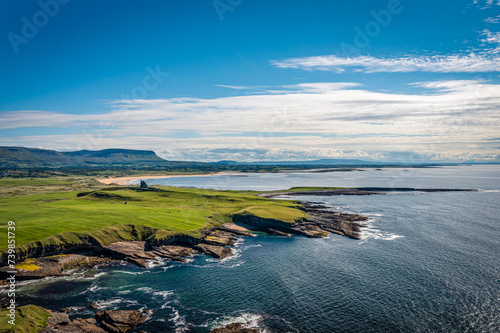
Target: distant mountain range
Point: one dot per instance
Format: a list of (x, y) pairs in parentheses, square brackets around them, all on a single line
[(325, 161)]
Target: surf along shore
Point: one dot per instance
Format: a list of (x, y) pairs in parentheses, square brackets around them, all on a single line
[(179, 223)]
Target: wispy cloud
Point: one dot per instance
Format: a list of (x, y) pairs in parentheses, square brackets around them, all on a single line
[(471, 63), (492, 20), (485, 4), (232, 87), (491, 37)]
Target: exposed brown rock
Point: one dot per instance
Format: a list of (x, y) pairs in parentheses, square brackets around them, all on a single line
[(51, 266), (59, 322), (236, 229), (87, 325), (219, 237), (236, 328), (319, 223), (173, 252), (219, 252), (120, 320), (132, 249)]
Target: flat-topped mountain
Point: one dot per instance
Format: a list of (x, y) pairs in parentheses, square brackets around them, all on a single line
[(43, 157)]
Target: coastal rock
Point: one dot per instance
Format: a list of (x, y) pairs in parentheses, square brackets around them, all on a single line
[(132, 251), (219, 237), (120, 320), (235, 229), (173, 252), (219, 252), (236, 328), (340, 223), (60, 322), (51, 266), (319, 223), (87, 325)]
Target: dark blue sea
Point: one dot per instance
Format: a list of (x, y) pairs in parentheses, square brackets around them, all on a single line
[(429, 262)]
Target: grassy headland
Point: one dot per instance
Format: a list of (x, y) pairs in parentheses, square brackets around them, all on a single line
[(62, 210), (29, 318)]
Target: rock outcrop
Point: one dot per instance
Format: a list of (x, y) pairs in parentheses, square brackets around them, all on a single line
[(60, 322), (173, 252), (113, 321), (133, 251), (236, 328), (219, 252), (320, 222), (51, 266), (120, 320)]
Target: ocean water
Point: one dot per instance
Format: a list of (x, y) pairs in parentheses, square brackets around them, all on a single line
[(428, 262)]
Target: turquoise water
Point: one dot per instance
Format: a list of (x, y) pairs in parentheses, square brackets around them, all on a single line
[(428, 263)]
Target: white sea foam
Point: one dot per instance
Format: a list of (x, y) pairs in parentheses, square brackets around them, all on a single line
[(111, 302), (178, 320), (250, 320), (94, 288), (146, 289), (131, 273), (98, 275), (238, 242), (372, 233), (158, 261), (164, 293)]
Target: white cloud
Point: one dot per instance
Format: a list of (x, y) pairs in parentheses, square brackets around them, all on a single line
[(308, 120), (232, 87), (493, 20), (485, 4), (491, 37), (470, 63)]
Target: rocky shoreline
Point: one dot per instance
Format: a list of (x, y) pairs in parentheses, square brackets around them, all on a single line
[(215, 242)]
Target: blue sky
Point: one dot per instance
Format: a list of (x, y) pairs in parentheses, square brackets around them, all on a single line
[(254, 80)]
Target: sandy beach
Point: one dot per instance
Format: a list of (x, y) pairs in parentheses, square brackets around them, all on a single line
[(126, 180)]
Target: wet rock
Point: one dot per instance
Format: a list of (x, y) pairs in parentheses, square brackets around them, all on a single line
[(277, 232), (51, 266), (87, 325), (132, 251), (59, 322), (120, 250), (173, 252), (138, 261), (120, 320), (236, 328), (219, 252)]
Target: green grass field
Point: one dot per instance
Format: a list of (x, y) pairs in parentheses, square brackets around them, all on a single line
[(29, 318), (46, 212)]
